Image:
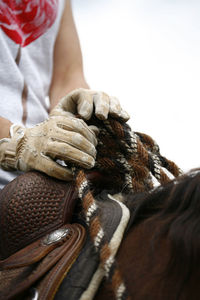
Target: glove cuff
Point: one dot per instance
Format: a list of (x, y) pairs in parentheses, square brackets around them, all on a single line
[(8, 148)]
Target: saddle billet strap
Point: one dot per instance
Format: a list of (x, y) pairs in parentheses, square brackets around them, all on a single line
[(53, 256)]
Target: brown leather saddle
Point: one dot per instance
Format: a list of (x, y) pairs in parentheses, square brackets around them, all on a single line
[(38, 245), (42, 250), (32, 205)]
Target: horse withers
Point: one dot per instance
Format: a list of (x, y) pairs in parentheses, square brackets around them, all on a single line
[(159, 254), (159, 257)]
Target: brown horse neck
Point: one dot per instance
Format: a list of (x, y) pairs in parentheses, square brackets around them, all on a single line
[(143, 259)]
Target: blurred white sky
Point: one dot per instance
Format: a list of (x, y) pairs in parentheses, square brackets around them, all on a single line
[(147, 53)]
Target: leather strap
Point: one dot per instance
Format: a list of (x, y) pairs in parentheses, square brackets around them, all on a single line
[(50, 257)]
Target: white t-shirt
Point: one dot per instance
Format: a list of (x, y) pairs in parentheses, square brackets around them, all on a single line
[(28, 31)]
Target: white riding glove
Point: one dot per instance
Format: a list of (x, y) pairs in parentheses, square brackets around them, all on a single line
[(38, 148), (82, 101)]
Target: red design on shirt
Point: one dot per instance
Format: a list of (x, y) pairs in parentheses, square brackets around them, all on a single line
[(26, 20)]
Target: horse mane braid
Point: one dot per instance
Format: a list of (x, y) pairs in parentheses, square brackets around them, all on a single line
[(134, 162)]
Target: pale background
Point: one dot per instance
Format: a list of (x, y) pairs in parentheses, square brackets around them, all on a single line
[(147, 53)]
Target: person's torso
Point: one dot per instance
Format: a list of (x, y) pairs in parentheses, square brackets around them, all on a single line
[(27, 37), (28, 30)]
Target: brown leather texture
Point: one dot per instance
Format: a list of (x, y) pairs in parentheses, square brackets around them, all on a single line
[(41, 266), (32, 205)]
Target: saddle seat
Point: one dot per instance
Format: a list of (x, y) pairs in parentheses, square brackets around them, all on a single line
[(38, 244), (32, 205)]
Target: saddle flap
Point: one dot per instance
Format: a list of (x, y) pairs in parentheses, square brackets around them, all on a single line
[(37, 250), (17, 278)]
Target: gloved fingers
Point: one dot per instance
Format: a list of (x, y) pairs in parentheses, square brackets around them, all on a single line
[(124, 115), (102, 105), (115, 107), (75, 125), (83, 101), (105, 105), (94, 129), (116, 110), (85, 104), (67, 153), (53, 169), (78, 101), (58, 140)]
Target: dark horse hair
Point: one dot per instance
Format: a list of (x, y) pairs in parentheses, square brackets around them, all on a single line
[(176, 208)]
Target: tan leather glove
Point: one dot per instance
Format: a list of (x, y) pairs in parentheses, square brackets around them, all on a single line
[(38, 148), (83, 101)]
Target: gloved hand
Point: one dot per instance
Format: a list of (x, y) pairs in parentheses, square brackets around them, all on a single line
[(82, 101), (38, 148)]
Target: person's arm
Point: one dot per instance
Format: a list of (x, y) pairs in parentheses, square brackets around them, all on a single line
[(68, 88), (68, 66), (4, 128)]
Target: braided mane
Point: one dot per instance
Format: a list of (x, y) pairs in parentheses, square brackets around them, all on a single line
[(131, 161)]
